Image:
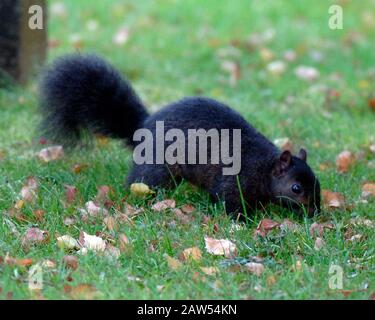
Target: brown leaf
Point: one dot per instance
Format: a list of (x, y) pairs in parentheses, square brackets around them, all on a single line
[(71, 262), (254, 267), (368, 190), (173, 263), (93, 210), (123, 242), (70, 193), (319, 244), (265, 226), (193, 253), (103, 194), (183, 218), (333, 200), (91, 242), (77, 168), (318, 229), (344, 160), (188, 208), (220, 247), (210, 270), (371, 104), (234, 70), (163, 205), (34, 236), (38, 214), (110, 223), (28, 191), (51, 153), (289, 225), (26, 262), (82, 292)]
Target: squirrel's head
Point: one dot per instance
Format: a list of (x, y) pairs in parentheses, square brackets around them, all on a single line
[(294, 184)]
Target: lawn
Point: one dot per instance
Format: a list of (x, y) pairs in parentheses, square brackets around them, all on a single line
[(220, 49)]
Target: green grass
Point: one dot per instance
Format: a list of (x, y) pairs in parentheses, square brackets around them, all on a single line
[(173, 52)]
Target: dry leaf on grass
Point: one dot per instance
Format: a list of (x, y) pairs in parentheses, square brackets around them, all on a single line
[(362, 222), (103, 194), (70, 193), (163, 205), (319, 244), (333, 200), (254, 267), (28, 191), (121, 36), (67, 242), (77, 168), (344, 160), (183, 218), (51, 153), (188, 208), (110, 223), (34, 236), (124, 242), (306, 73), (91, 242), (265, 226), (173, 263), (112, 252), (234, 70), (71, 262), (210, 271), (193, 253), (20, 262), (318, 229), (368, 190), (93, 210), (140, 189), (220, 247), (82, 292)]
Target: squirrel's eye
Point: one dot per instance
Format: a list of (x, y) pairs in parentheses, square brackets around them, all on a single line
[(296, 188)]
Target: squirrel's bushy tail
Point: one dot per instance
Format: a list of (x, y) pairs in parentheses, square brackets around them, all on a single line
[(81, 93)]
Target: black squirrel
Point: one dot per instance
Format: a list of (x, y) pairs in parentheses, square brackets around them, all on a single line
[(81, 93)]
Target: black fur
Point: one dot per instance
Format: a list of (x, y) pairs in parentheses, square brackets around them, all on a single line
[(85, 93)]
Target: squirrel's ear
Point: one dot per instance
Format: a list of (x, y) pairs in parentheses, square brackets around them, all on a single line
[(302, 154), (283, 162)]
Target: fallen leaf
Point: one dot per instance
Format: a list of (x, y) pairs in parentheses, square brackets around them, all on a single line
[(173, 263), (28, 191), (163, 205), (77, 168), (188, 208), (140, 189), (368, 190), (67, 242), (333, 200), (90, 242), (276, 67), (210, 271), (344, 160), (103, 194), (110, 223), (220, 247), (265, 226), (51, 153), (25, 262), (371, 104), (306, 73), (319, 244), (254, 267), (38, 214), (70, 193), (71, 262), (121, 37), (318, 229), (289, 225), (360, 221), (34, 236), (112, 252), (183, 218), (123, 242), (234, 70), (93, 210), (82, 292), (193, 253)]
